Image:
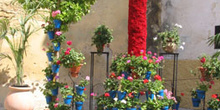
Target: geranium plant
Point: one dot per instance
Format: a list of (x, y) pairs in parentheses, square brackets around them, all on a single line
[(84, 82), (48, 71), (58, 38), (49, 25), (79, 98), (66, 90), (214, 102), (52, 85)]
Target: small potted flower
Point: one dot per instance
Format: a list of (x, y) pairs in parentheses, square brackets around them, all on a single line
[(170, 39), (72, 59), (48, 94), (102, 36), (59, 38), (111, 85), (50, 52), (214, 103), (56, 65), (104, 101), (49, 73), (57, 18), (202, 88), (67, 94), (81, 87), (124, 87), (49, 28), (53, 86), (79, 99), (59, 106), (195, 100), (178, 99)]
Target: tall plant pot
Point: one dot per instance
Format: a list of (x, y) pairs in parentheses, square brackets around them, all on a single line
[(19, 98), (75, 70), (79, 105), (170, 47)]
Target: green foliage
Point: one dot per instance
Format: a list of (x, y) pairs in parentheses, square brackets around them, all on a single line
[(110, 84), (58, 39), (102, 100), (203, 86), (125, 85), (79, 98), (46, 92), (193, 93), (83, 82), (214, 40), (132, 102), (65, 90), (58, 106), (49, 26), (155, 86), (214, 104), (50, 49), (52, 85), (48, 71)]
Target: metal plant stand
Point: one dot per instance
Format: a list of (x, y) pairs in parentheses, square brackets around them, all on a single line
[(92, 74)]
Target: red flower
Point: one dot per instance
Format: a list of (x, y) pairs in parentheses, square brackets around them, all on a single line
[(107, 94), (69, 42), (66, 86), (212, 82), (67, 52), (68, 49), (130, 78), (203, 59), (112, 75), (130, 95), (145, 81), (210, 86), (202, 79), (58, 62), (150, 61), (157, 77), (84, 89), (182, 94), (142, 93), (214, 95)]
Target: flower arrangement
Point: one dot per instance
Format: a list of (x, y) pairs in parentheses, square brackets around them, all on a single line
[(214, 103), (65, 90), (48, 26), (102, 36)]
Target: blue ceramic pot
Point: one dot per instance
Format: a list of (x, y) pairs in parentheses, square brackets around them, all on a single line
[(56, 48), (57, 23), (161, 93), (165, 108), (49, 56), (209, 109), (148, 74), (131, 108), (121, 95), (54, 91), (78, 105), (55, 68), (126, 74), (50, 34), (48, 99), (176, 106), (200, 94), (79, 90), (50, 78), (68, 100), (196, 102), (112, 94), (114, 108)]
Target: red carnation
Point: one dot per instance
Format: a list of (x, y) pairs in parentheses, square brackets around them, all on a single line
[(112, 75), (210, 86), (67, 52), (68, 49), (182, 94), (84, 89), (69, 42), (142, 93), (214, 95), (157, 77), (146, 81), (130, 95), (212, 82), (203, 59), (107, 94), (58, 62)]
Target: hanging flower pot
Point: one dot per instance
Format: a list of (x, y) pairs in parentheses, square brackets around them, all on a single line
[(75, 70), (49, 56), (121, 95), (50, 78), (48, 99), (56, 47), (57, 23), (114, 108), (126, 74), (196, 102), (54, 91), (147, 75), (112, 94), (50, 34), (78, 105), (170, 47), (55, 68), (68, 100), (176, 106), (161, 93), (131, 108), (166, 108), (200, 94), (209, 109), (79, 90)]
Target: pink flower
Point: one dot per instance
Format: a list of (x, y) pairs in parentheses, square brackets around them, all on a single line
[(153, 57), (145, 58), (57, 99), (69, 42), (119, 77), (67, 52), (54, 13), (157, 61), (161, 57), (87, 78), (130, 78), (58, 62), (44, 49), (58, 33), (93, 94), (155, 54), (149, 52), (66, 86), (142, 51), (212, 82), (122, 75), (56, 105), (123, 56), (128, 61)]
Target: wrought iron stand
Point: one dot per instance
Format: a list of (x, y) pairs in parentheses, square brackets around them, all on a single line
[(92, 74)]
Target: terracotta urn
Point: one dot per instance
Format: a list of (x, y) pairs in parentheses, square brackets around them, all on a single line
[(19, 98)]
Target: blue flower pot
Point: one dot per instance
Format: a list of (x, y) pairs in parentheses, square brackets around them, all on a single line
[(57, 23), (114, 108), (78, 105), (50, 34), (55, 68), (121, 95), (200, 94), (165, 108), (48, 99), (196, 102), (161, 93), (112, 94), (79, 90), (176, 106), (148, 74), (68, 100), (126, 74), (49, 56), (50, 78), (151, 96), (56, 48), (131, 108), (209, 109), (54, 91)]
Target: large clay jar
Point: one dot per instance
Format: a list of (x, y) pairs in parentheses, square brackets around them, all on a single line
[(19, 98)]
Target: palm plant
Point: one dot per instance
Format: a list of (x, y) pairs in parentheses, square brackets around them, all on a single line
[(17, 44), (215, 40)]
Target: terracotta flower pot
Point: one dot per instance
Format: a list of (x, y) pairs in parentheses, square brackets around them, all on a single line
[(170, 47), (75, 70), (19, 98)]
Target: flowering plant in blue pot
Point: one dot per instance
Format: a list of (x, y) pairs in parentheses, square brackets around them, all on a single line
[(56, 65), (79, 99), (80, 88), (214, 102), (67, 94), (48, 94), (53, 86), (110, 85), (48, 73)]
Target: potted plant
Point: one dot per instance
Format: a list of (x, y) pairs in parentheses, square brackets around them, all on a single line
[(49, 28), (132, 102), (67, 94), (168, 100), (49, 73), (170, 39), (79, 99), (72, 59), (80, 88), (213, 103), (214, 40), (50, 53), (59, 106), (178, 99), (59, 37), (195, 100), (201, 89), (104, 101), (24, 99), (53, 86), (110, 85), (124, 87), (48, 95), (102, 36)]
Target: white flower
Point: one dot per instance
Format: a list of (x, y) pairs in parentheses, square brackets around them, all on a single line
[(123, 101), (183, 43), (179, 26), (181, 47), (115, 99), (155, 38)]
